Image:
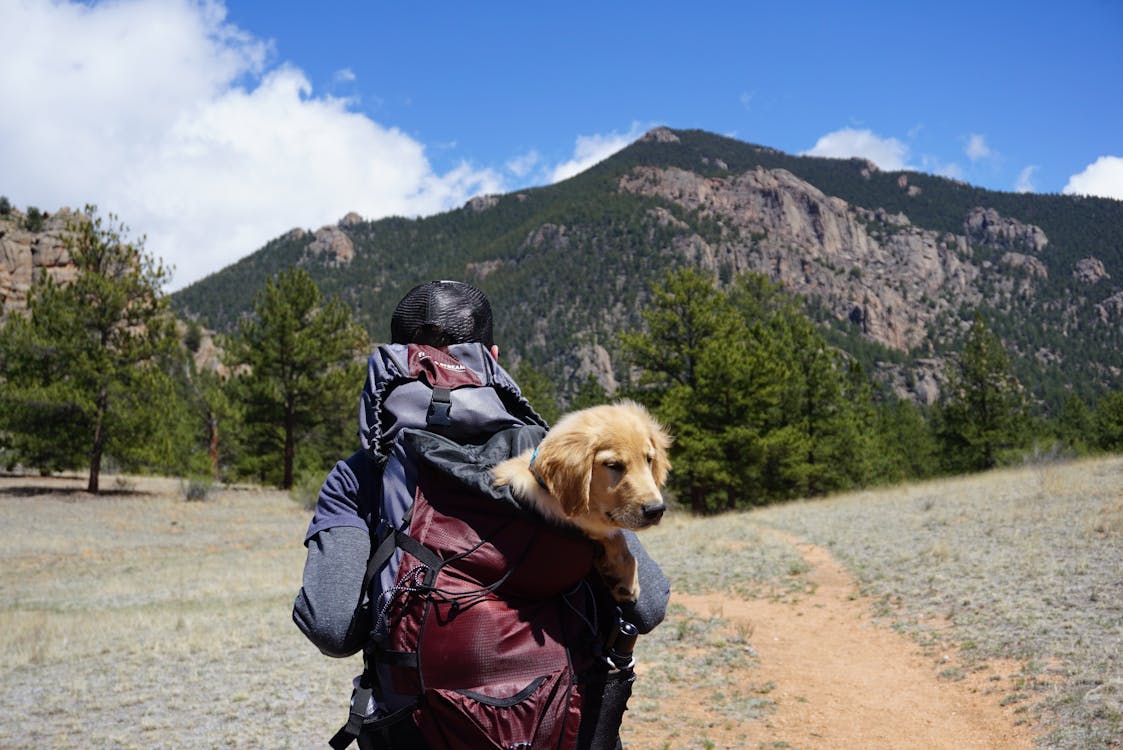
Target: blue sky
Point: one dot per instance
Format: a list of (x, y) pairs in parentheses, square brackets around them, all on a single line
[(212, 127)]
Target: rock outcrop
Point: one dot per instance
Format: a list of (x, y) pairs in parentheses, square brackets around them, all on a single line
[(1090, 271), (332, 245), (870, 267), (27, 255), (482, 203), (985, 226)]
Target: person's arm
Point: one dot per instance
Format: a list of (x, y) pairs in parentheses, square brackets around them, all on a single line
[(655, 589), (329, 609)]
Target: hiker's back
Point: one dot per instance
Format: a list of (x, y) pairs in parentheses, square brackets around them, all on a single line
[(482, 617)]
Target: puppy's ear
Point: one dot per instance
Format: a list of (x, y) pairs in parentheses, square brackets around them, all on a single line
[(661, 464), (565, 464)]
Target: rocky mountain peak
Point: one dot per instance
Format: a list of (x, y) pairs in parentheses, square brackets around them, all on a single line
[(332, 244), (661, 135)]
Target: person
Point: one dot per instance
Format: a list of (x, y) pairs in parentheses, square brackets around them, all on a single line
[(332, 608)]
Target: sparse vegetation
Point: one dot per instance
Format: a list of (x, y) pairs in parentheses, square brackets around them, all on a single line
[(102, 595), (198, 488), (34, 219)]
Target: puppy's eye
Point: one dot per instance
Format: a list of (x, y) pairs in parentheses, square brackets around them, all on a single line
[(650, 459), (614, 465)]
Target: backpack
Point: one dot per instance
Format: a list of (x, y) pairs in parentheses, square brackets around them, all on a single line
[(485, 629)]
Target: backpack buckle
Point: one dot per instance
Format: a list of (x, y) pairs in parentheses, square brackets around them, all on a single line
[(440, 408)]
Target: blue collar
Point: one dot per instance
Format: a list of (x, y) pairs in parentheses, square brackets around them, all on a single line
[(537, 477)]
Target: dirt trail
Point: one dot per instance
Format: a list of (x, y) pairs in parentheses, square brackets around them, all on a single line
[(842, 682)]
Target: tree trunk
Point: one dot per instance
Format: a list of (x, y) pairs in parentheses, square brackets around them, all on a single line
[(290, 452), (98, 446), (213, 448), (697, 500)]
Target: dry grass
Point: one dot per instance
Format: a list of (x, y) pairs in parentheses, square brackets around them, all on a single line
[(1020, 564), (141, 620)]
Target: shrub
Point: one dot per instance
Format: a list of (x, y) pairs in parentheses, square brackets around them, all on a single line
[(33, 222), (198, 488)]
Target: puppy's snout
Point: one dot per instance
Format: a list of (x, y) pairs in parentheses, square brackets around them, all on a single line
[(653, 512)]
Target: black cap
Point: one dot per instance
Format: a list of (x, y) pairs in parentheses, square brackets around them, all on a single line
[(440, 313)]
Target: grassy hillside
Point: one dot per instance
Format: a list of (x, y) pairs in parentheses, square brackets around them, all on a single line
[(141, 620)]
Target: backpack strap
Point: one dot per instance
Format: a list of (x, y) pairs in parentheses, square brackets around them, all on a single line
[(393, 540), (356, 722)]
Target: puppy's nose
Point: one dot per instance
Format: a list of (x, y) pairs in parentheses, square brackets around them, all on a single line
[(652, 512)]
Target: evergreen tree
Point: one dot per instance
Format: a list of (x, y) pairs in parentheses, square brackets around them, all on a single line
[(1108, 422), (983, 407), (538, 389), (301, 365), (906, 445), (760, 406), (686, 311), (683, 377), (88, 362), (1076, 424), (213, 414)]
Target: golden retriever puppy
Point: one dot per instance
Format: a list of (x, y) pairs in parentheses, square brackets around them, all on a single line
[(602, 470)]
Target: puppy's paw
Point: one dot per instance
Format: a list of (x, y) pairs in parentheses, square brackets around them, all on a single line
[(619, 571), (625, 595)]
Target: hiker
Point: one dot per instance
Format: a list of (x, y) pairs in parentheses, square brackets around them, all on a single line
[(436, 413)]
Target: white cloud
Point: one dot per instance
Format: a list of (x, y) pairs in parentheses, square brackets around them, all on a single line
[(952, 171), (888, 154), (1024, 183), (977, 147), (591, 149), (521, 166), (162, 113), (1103, 177)]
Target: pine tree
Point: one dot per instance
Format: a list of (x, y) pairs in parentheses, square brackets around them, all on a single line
[(683, 378), (762, 408), (983, 409), (906, 445), (537, 388), (1108, 422), (1076, 424), (301, 373), (87, 364)]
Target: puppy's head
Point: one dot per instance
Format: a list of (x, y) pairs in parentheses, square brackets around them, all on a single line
[(608, 465)]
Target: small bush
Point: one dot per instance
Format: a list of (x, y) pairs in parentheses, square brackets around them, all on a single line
[(5, 206), (34, 220), (198, 489)]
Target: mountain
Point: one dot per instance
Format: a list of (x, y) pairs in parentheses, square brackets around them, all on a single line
[(893, 265)]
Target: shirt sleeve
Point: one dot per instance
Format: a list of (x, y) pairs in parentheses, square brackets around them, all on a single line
[(348, 497), (330, 608), (655, 588)]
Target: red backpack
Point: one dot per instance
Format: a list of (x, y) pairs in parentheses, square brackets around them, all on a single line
[(490, 626)]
